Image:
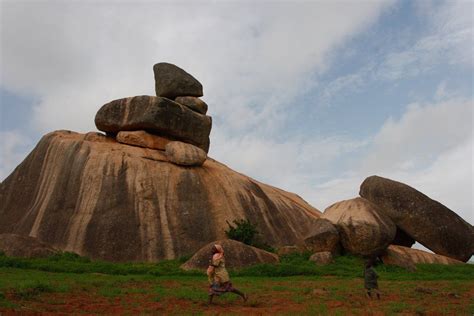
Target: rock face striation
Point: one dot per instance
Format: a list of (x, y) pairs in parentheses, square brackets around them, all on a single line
[(364, 230), (427, 221), (92, 195), (237, 255), (408, 258)]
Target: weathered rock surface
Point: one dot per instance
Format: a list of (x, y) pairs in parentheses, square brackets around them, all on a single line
[(172, 81), (237, 255), (288, 250), (322, 258), (429, 222), (185, 154), (110, 201), (143, 139), (157, 115), (408, 257), (324, 236), (363, 228), (24, 246), (193, 103)]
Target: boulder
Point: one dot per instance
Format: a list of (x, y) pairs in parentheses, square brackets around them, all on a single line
[(427, 221), (14, 245), (408, 257), (288, 250), (322, 258), (237, 255), (110, 201), (193, 103), (185, 154), (144, 139), (157, 115), (323, 237), (403, 239), (363, 228), (172, 81)]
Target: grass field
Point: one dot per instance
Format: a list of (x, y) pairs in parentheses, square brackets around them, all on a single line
[(68, 283)]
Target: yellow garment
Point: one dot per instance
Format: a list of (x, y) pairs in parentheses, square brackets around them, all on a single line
[(219, 274)]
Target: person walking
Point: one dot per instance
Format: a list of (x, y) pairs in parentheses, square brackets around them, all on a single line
[(370, 280), (219, 280)]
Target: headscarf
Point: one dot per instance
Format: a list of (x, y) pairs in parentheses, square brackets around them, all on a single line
[(220, 252)]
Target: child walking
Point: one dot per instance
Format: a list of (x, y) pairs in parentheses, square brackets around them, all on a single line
[(370, 280)]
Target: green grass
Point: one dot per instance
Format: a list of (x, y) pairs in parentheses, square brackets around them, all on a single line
[(290, 265)]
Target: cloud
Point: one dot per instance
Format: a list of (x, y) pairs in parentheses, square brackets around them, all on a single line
[(429, 148), (252, 59)]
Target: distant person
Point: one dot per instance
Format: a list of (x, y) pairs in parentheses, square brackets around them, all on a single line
[(370, 280), (218, 276)]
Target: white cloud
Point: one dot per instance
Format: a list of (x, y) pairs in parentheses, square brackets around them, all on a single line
[(252, 59), (429, 148)]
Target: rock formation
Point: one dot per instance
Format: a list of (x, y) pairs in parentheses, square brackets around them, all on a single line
[(99, 198), (324, 236), (237, 255), (408, 258), (172, 81), (363, 228), (427, 221), (24, 246), (185, 154)]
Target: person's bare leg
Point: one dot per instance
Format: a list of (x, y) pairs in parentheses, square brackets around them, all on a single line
[(211, 296), (369, 294), (244, 296)]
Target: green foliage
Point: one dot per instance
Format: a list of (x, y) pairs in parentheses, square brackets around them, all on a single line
[(242, 231), (32, 289)]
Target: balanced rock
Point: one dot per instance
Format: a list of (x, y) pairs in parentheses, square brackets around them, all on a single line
[(429, 222), (363, 228), (185, 154), (324, 236), (237, 255), (110, 201), (322, 258), (157, 115), (172, 81), (408, 257), (14, 245), (144, 139), (193, 103)]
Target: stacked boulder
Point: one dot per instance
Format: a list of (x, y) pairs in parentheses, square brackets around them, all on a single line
[(173, 121), (385, 221)]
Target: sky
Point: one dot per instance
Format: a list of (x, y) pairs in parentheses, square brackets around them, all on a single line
[(311, 97)]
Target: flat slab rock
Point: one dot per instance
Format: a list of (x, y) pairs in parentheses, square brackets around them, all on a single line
[(363, 228), (427, 221), (14, 245), (172, 81), (237, 255), (143, 139), (158, 115), (408, 257), (184, 154)]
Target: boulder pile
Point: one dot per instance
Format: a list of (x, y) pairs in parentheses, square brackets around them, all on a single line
[(174, 115)]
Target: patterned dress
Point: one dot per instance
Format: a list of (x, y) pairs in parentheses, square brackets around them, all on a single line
[(219, 280)]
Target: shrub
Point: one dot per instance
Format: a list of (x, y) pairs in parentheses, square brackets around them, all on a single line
[(243, 231)]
